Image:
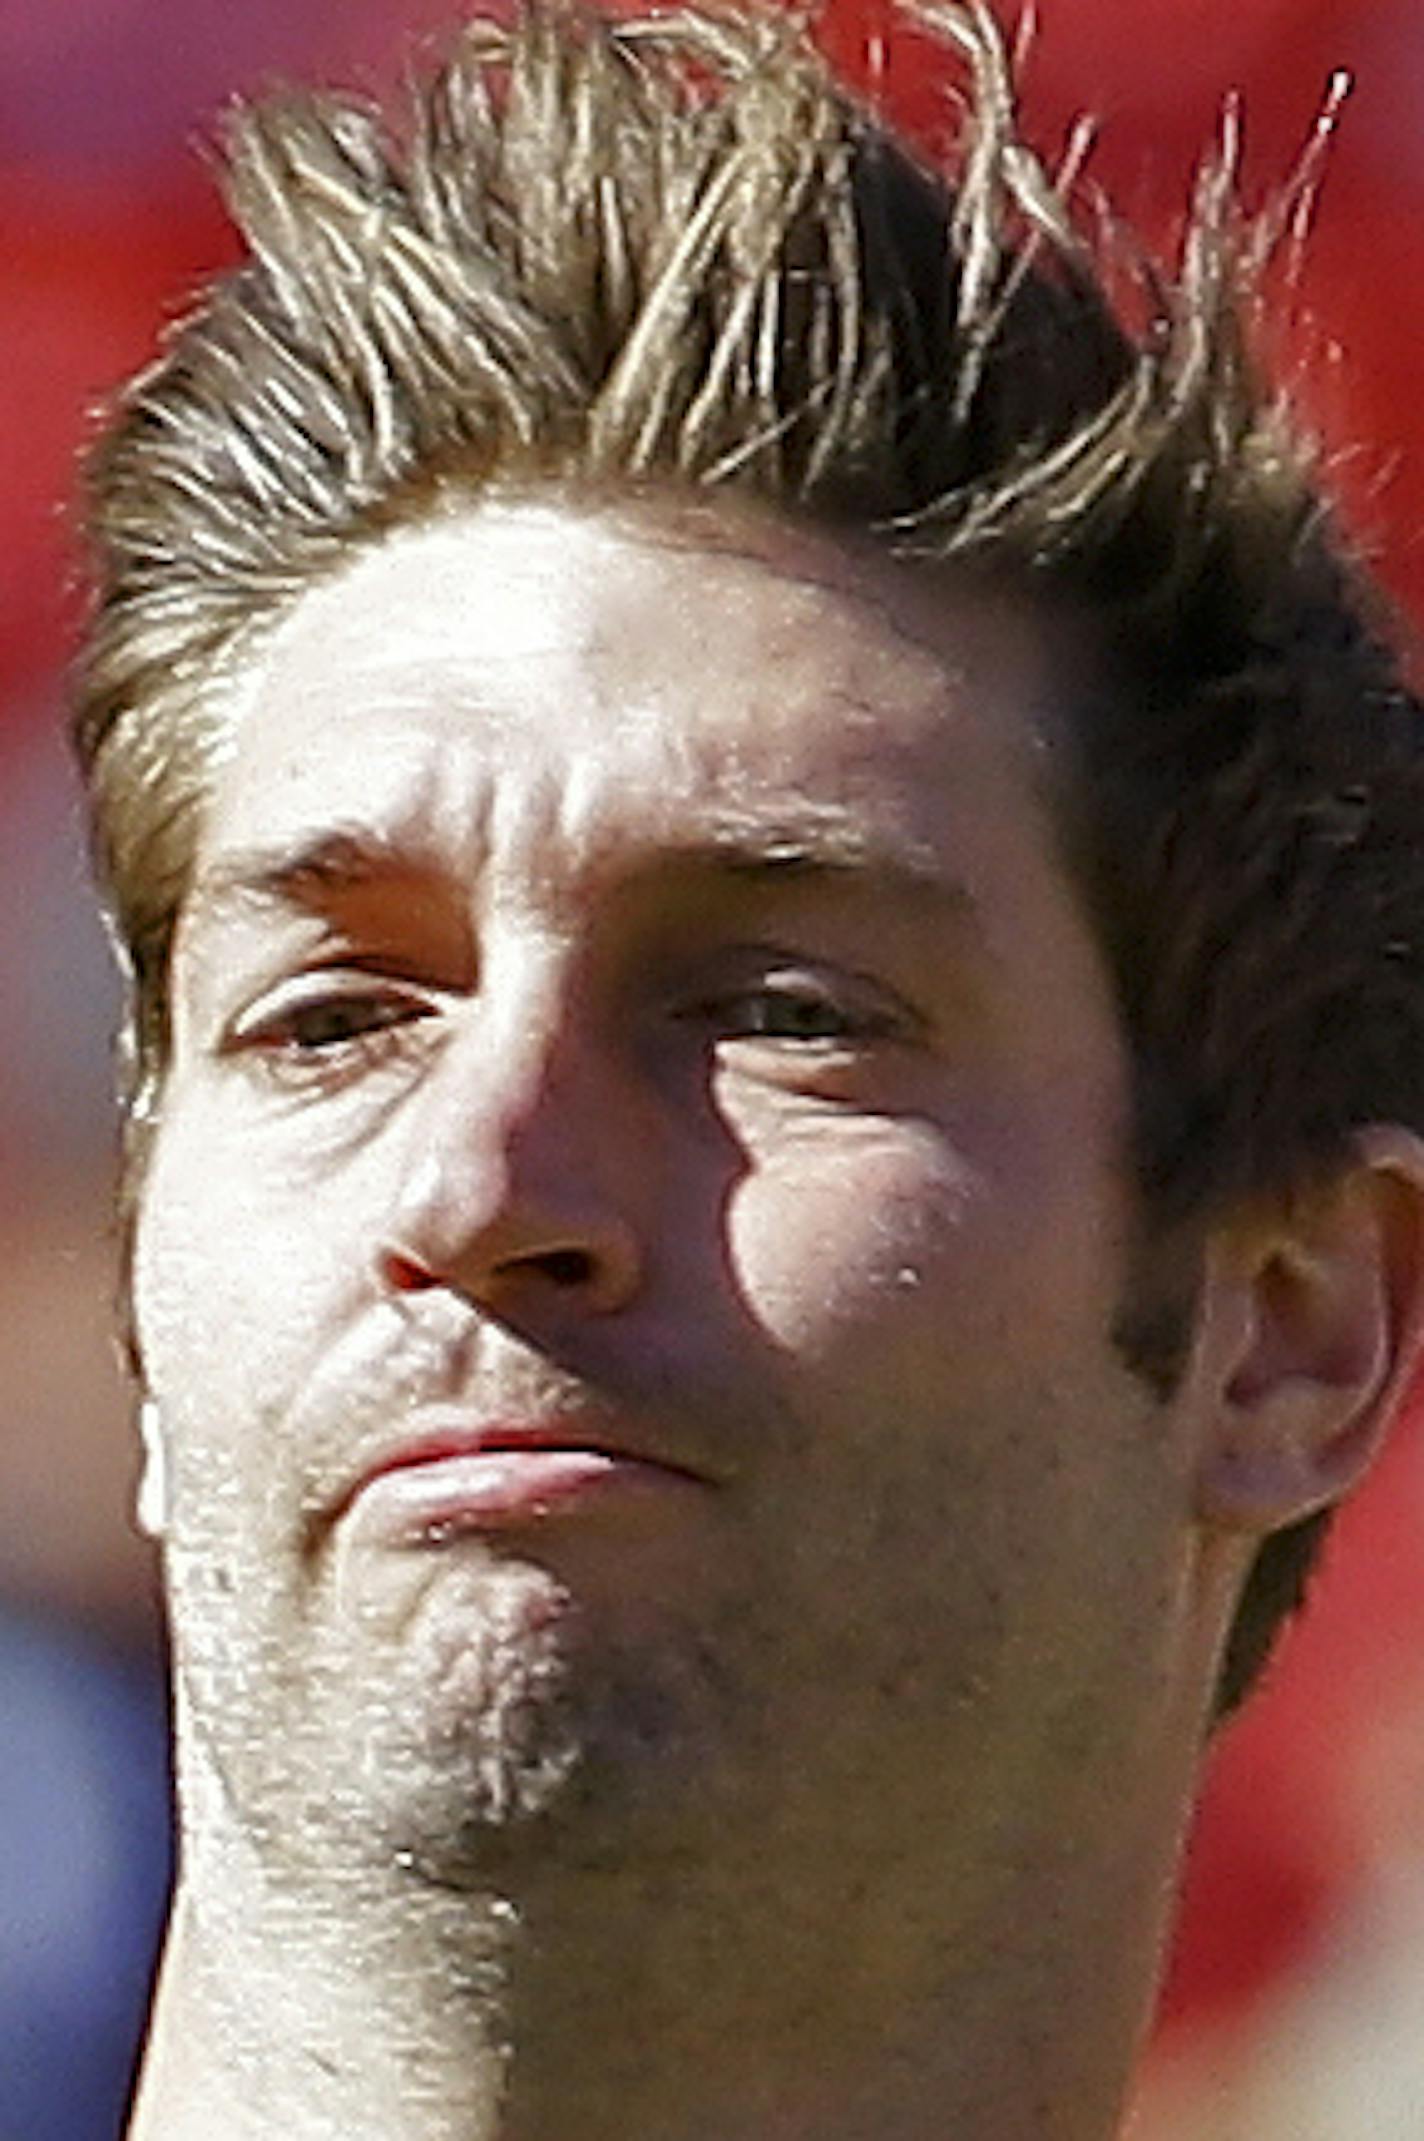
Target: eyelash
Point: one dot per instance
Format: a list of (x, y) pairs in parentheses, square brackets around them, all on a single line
[(276, 1038), (777, 1011), (751, 1013)]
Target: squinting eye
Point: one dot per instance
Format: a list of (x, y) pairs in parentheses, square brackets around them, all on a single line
[(790, 1014), (325, 1040), (798, 1012), (335, 1021)]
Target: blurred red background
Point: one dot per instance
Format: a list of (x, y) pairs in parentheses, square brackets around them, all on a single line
[(1312, 1827)]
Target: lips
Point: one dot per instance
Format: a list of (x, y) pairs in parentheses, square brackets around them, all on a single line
[(442, 1484)]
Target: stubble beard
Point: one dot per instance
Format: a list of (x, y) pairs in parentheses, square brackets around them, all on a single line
[(496, 1730)]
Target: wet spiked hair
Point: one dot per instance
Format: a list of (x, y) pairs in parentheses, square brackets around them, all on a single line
[(674, 251)]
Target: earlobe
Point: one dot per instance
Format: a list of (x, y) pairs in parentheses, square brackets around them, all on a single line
[(1311, 1326), (151, 1503)]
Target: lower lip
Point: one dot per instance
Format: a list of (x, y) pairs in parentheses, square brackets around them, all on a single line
[(425, 1504)]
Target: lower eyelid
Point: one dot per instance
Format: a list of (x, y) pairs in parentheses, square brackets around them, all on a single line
[(313, 1073)]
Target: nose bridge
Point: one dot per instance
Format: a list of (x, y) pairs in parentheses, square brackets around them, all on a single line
[(520, 1078), (510, 1165)]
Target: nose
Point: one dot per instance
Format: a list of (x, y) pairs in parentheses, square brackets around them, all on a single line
[(519, 1182)]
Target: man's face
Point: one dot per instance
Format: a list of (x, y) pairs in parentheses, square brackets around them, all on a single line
[(627, 1270)]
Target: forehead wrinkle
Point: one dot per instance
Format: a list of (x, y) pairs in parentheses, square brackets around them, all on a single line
[(312, 868), (305, 865), (699, 789)]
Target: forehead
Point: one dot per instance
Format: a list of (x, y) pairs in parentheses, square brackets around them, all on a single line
[(653, 667)]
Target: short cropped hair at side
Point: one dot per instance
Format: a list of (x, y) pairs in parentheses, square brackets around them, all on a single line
[(674, 251)]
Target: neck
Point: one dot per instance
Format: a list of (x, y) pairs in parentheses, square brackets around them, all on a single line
[(847, 2002), (975, 1955)]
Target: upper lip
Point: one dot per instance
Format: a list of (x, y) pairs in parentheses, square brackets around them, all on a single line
[(433, 1440)]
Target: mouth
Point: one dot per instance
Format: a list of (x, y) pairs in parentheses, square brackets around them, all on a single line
[(447, 1484)]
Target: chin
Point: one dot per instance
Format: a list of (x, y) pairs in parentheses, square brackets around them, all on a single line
[(527, 1733), (466, 1730)]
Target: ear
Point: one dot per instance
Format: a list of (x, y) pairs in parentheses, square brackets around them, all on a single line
[(1311, 1322)]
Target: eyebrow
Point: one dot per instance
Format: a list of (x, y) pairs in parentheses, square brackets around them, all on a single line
[(309, 872), (305, 873)]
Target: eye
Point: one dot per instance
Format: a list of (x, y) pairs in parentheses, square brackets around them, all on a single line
[(325, 1038), (788, 1012), (797, 1009), (334, 1022)]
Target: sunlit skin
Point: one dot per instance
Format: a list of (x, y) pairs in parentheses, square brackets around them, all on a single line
[(630, 1002)]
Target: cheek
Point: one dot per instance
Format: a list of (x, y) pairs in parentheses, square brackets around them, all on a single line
[(983, 1256), (848, 1227), (230, 1294)]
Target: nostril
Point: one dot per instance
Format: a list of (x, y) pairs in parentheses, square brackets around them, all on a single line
[(566, 1267), (406, 1274)]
